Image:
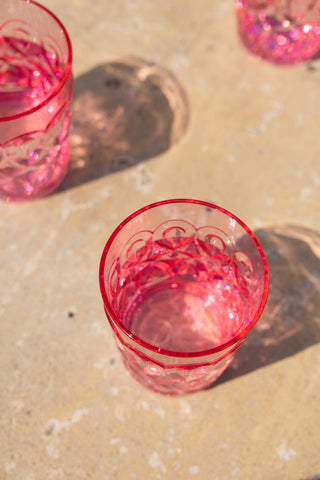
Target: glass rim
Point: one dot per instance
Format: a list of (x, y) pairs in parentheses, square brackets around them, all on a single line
[(171, 353), (65, 76)]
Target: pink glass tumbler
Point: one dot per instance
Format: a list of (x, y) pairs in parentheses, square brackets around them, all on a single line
[(35, 100), (183, 282), (283, 32)]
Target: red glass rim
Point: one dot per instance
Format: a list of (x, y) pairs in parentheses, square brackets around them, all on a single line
[(113, 316), (64, 78)]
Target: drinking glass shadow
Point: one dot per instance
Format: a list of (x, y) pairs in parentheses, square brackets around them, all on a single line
[(124, 112), (291, 319)]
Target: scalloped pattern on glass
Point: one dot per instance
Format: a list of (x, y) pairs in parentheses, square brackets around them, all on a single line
[(177, 249), (29, 71), (183, 289), (35, 95), (34, 163), (171, 380), (181, 298)]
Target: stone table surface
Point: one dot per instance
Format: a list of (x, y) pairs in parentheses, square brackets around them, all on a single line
[(167, 103)]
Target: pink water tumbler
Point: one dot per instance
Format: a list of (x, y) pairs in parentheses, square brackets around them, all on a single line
[(283, 32), (183, 282), (35, 100)]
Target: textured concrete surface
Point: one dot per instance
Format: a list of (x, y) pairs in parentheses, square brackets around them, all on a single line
[(167, 104)]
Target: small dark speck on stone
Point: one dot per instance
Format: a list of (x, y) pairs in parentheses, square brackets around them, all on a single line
[(112, 361), (49, 429), (113, 83), (126, 161), (311, 67), (317, 477), (71, 314)]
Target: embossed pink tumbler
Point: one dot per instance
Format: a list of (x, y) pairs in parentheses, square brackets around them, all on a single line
[(283, 32), (35, 100), (183, 282)]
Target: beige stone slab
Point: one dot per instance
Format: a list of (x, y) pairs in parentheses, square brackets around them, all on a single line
[(194, 115)]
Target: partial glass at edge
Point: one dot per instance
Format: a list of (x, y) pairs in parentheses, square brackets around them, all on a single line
[(183, 281), (35, 94), (281, 32)]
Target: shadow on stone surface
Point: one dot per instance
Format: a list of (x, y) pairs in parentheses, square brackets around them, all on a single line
[(317, 477), (291, 319), (124, 112)]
